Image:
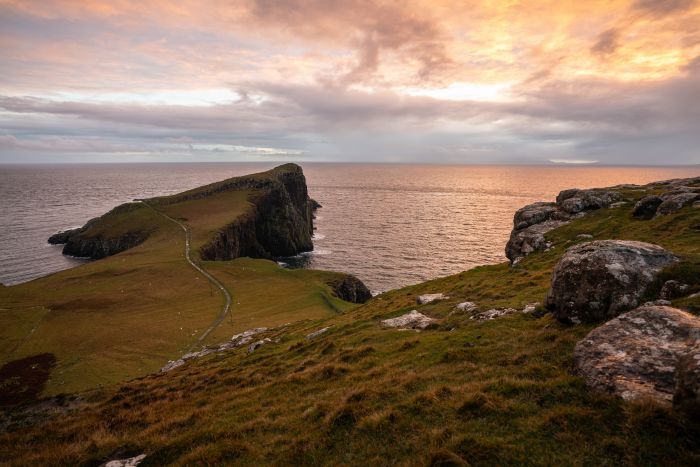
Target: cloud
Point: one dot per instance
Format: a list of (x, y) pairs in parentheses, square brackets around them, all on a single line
[(662, 7), (606, 43)]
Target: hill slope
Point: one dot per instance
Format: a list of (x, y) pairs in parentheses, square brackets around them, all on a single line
[(142, 304), (464, 391)]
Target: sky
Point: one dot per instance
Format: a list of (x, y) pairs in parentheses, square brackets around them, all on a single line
[(533, 82)]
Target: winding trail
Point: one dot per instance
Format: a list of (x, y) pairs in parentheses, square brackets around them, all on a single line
[(227, 295)]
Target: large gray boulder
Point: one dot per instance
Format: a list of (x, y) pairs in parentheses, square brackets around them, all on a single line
[(598, 280), (537, 213), (637, 355)]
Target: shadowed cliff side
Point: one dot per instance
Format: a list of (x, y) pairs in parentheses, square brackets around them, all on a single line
[(279, 221)]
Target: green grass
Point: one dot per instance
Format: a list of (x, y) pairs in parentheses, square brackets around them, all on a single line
[(499, 392)]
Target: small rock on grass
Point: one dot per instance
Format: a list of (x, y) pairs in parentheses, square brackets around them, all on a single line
[(130, 462), (411, 320)]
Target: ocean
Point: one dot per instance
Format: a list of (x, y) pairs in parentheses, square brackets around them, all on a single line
[(390, 225)]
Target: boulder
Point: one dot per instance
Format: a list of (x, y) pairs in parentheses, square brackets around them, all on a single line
[(411, 320), (598, 280), (351, 289), (674, 201), (431, 297), (636, 355), (687, 391), (673, 289), (526, 241), (537, 213), (646, 207)]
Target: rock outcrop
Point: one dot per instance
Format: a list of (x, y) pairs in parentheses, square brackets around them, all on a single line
[(280, 223), (102, 236), (638, 355), (351, 289), (236, 341), (532, 222), (674, 195), (673, 289), (598, 280)]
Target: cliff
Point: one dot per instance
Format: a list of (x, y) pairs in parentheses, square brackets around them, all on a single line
[(279, 222)]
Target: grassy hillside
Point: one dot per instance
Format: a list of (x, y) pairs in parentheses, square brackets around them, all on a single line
[(126, 315), (495, 392)]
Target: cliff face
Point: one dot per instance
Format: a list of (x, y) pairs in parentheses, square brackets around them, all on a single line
[(97, 239), (281, 223)]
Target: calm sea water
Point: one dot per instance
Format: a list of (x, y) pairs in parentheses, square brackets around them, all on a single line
[(391, 225)]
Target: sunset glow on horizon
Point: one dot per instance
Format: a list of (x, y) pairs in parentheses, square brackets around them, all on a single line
[(428, 81)]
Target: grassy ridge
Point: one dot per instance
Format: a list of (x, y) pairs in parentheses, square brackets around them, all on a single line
[(499, 392)]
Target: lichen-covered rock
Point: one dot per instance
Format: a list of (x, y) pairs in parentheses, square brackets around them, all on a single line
[(530, 239), (466, 306), (686, 396), (430, 297), (646, 207), (411, 320), (636, 355), (129, 462), (675, 201), (351, 289), (598, 280), (673, 289)]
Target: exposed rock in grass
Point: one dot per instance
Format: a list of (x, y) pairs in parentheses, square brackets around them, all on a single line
[(351, 289), (575, 201), (531, 307), (584, 237), (256, 345), (687, 392), (236, 341), (598, 280), (673, 289), (411, 320), (315, 334), (493, 314), (636, 355), (466, 306), (619, 204), (431, 297), (646, 207), (130, 462)]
